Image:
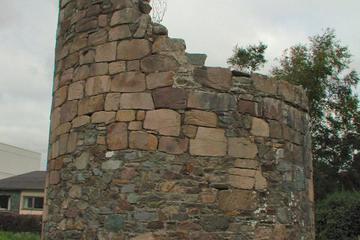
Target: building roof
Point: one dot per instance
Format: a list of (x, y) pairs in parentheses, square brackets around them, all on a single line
[(28, 181)]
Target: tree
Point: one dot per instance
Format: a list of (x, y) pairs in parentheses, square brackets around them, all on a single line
[(159, 10), (322, 68), (248, 59)]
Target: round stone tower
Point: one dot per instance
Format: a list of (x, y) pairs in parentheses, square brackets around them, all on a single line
[(148, 143)]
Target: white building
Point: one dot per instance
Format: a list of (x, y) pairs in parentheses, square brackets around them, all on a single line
[(15, 161)]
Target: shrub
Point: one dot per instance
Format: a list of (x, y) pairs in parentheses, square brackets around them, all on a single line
[(338, 217), (18, 236), (20, 223)]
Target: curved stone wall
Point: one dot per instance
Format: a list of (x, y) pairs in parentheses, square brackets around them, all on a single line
[(147, 143)]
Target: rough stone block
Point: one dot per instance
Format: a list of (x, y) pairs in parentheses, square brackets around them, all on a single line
[(164, 121), (117, 136), (161, 79), (264, 84), (242, 148), (119, 33), (248, 107), (128, 82), (125, 115), (126, 15), (103, 117), (76, 90), (143, 141), (237, 200), (117, 67), (173, 145), (201, 118), (260, 128), (97, 69), (60, 96), (97, 85), (214, 77), (159, 63), (221, 102), (112, 101), (209, 142), (80, 121), (68, 111), (174, 98), (91, 104), (166, 44), (136, 101), (106, 52), (133, 49)]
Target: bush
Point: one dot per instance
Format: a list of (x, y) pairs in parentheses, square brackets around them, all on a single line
[(18, 236), (338, 217), (20, 223)]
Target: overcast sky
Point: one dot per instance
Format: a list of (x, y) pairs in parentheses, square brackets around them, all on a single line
[(27, 39)]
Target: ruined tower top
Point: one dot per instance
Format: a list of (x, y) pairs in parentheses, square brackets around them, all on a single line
[(148, 143)]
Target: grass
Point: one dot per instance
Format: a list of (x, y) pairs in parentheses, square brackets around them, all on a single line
[(18, 236)]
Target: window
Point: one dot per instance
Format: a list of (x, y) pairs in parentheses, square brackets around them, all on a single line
[(4, 202), (33, 203)]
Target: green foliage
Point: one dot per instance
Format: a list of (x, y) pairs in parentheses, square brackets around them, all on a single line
[(18, 236), (338, 217), (322, 68), (248, 59)]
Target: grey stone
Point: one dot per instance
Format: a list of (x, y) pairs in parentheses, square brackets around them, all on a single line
[(114, 223)]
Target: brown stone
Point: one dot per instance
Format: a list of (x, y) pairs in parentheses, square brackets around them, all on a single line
[(72, 142), (76, 90), (103, 117), (222, 102), (165, 122), (140, 115), (237, 200), (160, 79), (264, 84), (63, 128), (82, 73), (119, 33), (275, 129), (209, 142), (189, 131), (87, 56), (242, 148), (246, 163), (248, 107), (287, 91), (260, 181), (112, 101), (135, 126), (68, 111), (207, 197), (133, 49), (117, 136), (103, 20), (259, 128), (55, 118), (96, 85), (166, 44), (214, 77), (174, 98), (66, 77), (272, 108), (201, 118), (106, 52), (63, 140), (128, 82), (173, 145), (98, 37), (117, 67), (125, 115), (54, 177), (97, 69), (133, 65), (136, 101), (145, 236), (80, 121), (60, 96), (126, 15), (143, 141), (91, 104), (159, 63), (242, 182)]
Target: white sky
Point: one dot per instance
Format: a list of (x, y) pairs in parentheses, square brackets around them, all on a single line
[(214, 27)]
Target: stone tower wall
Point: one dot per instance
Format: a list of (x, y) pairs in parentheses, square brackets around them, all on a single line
[(147, 143)]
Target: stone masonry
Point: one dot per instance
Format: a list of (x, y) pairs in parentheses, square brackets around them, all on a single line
[(149, 144)]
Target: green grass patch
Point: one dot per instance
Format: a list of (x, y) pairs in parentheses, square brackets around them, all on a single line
[(18, 236)]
